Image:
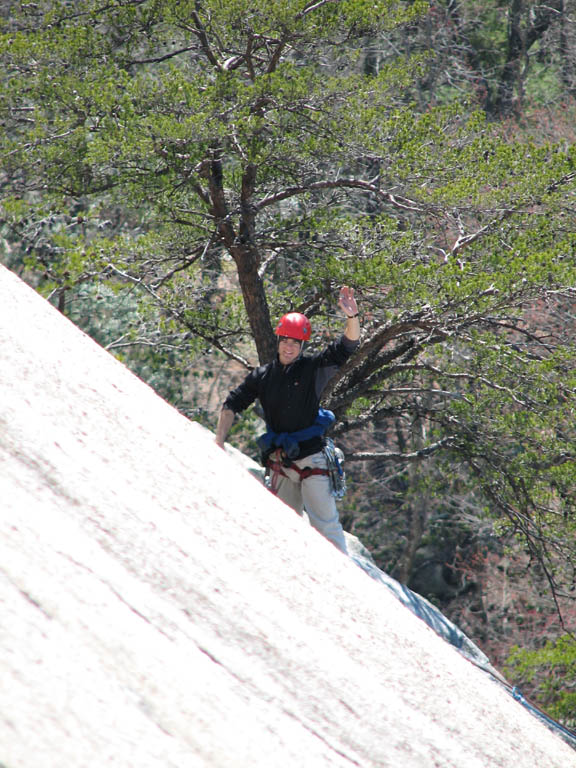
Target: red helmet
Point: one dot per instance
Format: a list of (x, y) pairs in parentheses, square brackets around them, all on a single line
[(294, 326)]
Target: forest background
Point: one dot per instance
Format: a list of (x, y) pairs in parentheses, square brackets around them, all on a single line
[(174, 175)]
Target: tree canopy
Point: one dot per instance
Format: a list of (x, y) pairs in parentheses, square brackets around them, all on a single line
[(232, 159)]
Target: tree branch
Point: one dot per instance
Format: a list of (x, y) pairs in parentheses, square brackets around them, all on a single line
[(140, 283), (414, 456), (204, 42), (398, 201), (160, 59)]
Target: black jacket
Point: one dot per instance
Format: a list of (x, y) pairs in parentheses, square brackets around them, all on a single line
[(290, 394)]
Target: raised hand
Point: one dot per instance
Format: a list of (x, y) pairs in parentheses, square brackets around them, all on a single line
[(347, 302)]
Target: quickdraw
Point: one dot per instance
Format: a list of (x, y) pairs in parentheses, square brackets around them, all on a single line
[(334, 460)]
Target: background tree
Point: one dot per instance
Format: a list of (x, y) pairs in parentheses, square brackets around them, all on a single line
[(507, 55)]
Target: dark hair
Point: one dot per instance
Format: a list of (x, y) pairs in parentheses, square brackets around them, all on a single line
[(282, 338)]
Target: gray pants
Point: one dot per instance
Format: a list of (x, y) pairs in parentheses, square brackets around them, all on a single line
[(312, 494)]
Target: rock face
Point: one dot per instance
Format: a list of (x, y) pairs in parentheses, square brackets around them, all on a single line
[(160, 609)]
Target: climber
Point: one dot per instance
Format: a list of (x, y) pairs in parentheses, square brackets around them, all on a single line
[(289, 390)]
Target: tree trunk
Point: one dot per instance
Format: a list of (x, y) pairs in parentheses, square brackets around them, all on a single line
[(242, 248), (568, 46), (510, 75), (418, 511), (526, 26), (247, 260), (255, 302)]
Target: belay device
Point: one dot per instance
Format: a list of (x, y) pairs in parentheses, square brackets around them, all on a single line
[(334, 460)]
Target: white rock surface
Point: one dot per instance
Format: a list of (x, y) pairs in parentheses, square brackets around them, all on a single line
[(160, 609)]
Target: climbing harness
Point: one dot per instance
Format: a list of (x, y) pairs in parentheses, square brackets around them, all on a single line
[(287, 447), (334, 471), (277, 468)]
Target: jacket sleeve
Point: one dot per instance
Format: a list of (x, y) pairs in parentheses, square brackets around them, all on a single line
[(337, 352), (244, 395), (332, 358)]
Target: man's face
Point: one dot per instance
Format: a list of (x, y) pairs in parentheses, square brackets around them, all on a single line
[(288, 350)]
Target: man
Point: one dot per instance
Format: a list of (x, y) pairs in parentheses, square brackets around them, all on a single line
[(289, 390)]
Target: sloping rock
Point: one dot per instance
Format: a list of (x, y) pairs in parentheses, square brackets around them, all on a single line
[(160, 609), (421, 607)]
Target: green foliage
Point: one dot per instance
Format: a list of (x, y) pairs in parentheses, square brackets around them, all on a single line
[(553, 668)]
